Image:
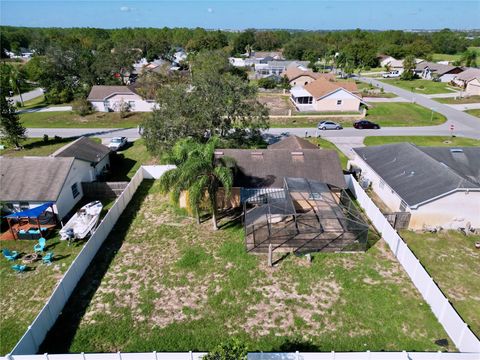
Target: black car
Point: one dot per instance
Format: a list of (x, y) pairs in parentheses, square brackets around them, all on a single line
[(365, 124)]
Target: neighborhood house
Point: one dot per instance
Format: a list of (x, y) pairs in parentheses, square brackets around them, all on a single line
[(107, 98), (299, 77), (277, 67), (428, 182), (430, 71), (324, 95)]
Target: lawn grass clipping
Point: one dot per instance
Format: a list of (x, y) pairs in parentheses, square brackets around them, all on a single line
[(172, 285), (453, 261), (447, 141), (24, 295)]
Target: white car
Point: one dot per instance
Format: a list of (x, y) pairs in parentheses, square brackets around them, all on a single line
[(329, 125), (392, 74), (117, 143)]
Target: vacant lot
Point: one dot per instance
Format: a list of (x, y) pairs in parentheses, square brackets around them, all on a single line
[(453, 261), (277, 104), (464, 100), (24, 295), (38, 147), (421, 140), (68, 119), (421, 86), (403, 114), (162, 282)]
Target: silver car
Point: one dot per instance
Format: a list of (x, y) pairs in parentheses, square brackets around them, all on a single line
[(329, 125)]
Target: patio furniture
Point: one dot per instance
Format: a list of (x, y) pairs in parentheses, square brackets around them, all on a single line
[(30, 258), (41, 245), (47, 259), (19, 268), (10, 255)]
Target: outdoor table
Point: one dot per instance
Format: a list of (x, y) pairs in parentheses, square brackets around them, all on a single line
[(30, 258)]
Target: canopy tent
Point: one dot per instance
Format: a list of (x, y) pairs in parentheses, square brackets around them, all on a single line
[(31, 213)]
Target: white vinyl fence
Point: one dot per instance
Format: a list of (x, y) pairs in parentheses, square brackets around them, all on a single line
[(36, 332), (464, 339)]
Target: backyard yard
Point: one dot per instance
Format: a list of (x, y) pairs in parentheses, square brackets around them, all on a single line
[(453, 261), (68, 119), (162, 282), (421, 86)]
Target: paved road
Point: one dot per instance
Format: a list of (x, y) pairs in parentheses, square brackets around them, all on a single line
[(47, 109), (132, 133), (463, 122), (28, 95)]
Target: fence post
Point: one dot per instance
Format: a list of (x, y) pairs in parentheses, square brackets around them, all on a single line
[(9, 356), (83, 355), (297, 355), (333, 355), (155, 355), (119, 355), (462, 335), (46, 356)]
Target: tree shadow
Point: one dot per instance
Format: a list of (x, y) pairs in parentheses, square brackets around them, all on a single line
[(61, 335)]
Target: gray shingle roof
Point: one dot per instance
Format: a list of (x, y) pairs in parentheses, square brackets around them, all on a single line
[(83, 149), (33, 178), (268, 167), (101, 92), (293, 142), (419, 174), (439, 69)]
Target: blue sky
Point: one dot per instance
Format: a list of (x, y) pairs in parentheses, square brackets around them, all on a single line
[(238, 14)]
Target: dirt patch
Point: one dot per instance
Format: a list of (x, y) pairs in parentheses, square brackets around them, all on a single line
[(276, 104)]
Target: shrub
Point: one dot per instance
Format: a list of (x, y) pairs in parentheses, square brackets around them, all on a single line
[(267, 83), (233, 350), (45, 138), (82, 107)]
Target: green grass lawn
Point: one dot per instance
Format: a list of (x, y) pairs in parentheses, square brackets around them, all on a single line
[(24, 295), (454, 263), (446, 57), (474, 112), (68, 119), (465, 100), (325, 144), (421, 140), (34, 103), (421, 86), (162, 282), (125, 163), (364, 88), (403, 114), (38, 147)]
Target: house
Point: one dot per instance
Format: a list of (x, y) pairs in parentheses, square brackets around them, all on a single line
[(385, 60), (298, 77), (473, 87), (465, 76), (27, 182), (108, 98), (265, 56), (430, 70), (439, 186), (277, 67), (325, 95), (237, 62), (84, 149)]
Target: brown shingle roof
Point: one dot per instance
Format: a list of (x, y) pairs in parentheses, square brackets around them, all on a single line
[(439, 69), (83, 149), (322, 87), (266, 168), (468, 75), (293, 143), (33, 178), (293, 73), (101, 92)]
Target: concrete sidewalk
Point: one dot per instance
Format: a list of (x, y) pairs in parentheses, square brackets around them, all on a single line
[(46, 109)]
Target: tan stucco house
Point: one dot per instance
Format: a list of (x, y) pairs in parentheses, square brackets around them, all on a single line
[(107, 98), (439, 186), (473, 87), (300, 77), (326, 96)]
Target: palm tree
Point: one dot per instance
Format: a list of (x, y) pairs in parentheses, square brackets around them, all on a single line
[(199, 174)]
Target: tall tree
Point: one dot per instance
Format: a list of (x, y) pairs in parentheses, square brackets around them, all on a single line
[(408, 68), (199, 174), (12, 130)]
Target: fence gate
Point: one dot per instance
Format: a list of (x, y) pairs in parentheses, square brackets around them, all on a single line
[(399, 220)]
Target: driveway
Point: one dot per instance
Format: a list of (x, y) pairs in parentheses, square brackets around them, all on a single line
[(462, 122), (28, 95), (46, 109), (346, 144)]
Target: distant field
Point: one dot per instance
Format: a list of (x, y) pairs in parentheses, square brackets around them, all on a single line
[(421, 86), (421, 140), (446, 57), (68, 119)]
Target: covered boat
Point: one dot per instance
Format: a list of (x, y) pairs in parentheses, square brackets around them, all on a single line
[(83, 222)]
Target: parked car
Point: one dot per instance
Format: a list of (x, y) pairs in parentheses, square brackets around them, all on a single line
[(365, 124), (329, 125), (392, 74), (117, 143)]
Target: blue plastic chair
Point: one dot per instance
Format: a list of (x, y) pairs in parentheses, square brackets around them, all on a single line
[(19, 268), (47, 259), (42, 242), (10, 255)]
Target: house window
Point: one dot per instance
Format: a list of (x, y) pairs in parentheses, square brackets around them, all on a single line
[(106, 104), (339, 102), (131, 105), (382, 184), (75, 191), (403, 206)]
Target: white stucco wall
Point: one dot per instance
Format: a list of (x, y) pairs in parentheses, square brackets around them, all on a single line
[(139, 104), (473, 87), (447, 77), (329, 103), (450, 212)]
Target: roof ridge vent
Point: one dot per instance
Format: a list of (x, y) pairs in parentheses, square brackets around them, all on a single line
[(257, 153), (297, 153)]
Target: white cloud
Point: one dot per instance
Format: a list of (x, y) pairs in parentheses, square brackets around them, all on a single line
[(126, 8), (210, 10)]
